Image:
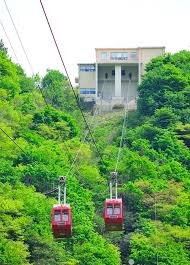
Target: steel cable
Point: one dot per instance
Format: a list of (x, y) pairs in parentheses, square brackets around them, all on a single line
[(69, 80)]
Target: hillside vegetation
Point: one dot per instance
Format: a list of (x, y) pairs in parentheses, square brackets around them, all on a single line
[(153, 169)]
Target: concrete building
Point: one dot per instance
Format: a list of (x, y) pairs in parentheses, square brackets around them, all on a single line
[(113, 79)]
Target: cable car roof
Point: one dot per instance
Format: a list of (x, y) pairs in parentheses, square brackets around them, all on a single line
[(114, 200), (61, 205)]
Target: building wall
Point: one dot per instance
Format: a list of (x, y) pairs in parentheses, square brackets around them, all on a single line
[(87, 75), (129, 90), (94, 85), (106, 87), (103, 69), (143, 54), (146, 54), (130, 69), (130, 55), (87, 80)]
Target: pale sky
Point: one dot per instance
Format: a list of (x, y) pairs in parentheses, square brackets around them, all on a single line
[(82, 25)]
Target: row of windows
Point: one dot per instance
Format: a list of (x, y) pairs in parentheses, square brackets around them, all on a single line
[(64, 216), (123, 73), (113, 210), (118, 55), (86, 91), (87, 68)]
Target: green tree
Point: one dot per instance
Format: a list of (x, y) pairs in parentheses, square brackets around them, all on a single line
[(165, 118), (57, 91), (2, 46), (166, 76)]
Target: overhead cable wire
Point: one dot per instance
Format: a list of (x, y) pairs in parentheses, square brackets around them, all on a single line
[(50, 191), (156, 234), (23, 48), (13, 141), (18, 35), (41, 91), (69, 80), (28, 60), (13, 50), (76, 156), (126, 111)]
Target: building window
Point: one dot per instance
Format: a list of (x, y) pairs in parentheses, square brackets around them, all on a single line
[(104, 55), (106, 75), (113, 72), (133, 55), (87, 68), (88, 91), (123, 72), (119, 55)]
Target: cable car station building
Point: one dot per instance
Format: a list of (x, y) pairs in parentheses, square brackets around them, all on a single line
[(113, 79)]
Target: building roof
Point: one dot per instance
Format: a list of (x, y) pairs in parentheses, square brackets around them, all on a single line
[(145, 47), (85, 63)]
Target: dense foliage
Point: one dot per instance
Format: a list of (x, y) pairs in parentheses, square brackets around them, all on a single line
[(153, 169), (49, 139)]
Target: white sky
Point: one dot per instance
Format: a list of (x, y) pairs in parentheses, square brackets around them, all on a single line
[(82, 25)]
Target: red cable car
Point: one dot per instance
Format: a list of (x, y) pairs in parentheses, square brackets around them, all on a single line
[(61, 221), (113, 214)]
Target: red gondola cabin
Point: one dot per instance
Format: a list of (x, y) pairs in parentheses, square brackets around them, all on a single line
[(61, 221), (113, 214)]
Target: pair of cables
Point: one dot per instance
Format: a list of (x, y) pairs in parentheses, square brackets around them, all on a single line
[(31, 68)]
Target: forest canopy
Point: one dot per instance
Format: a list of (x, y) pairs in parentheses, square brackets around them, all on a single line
[(153, 171)]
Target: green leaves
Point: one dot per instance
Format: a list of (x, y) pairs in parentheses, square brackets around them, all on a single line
[(8, 76), (13, 253), (153, 170), (58, 92), (165, 118), (165, 83), (61, 125), (97, 252), (50, 139), (147, 250)]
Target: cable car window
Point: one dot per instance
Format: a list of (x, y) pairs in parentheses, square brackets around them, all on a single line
[(109, 209), (65, 216), (106, 75), (57, 216), (116, 209)]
